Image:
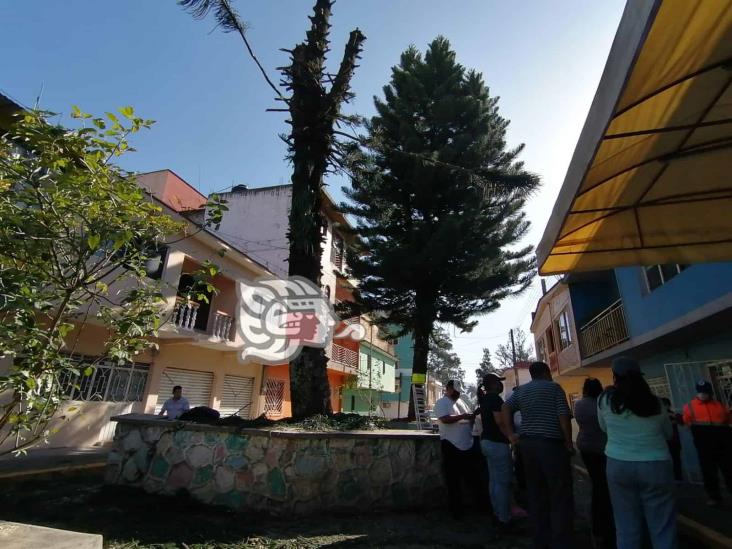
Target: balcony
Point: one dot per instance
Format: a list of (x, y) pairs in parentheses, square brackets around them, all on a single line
[(604, 331), (186, 319), (342, 359)]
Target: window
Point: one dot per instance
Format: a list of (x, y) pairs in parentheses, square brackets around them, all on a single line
[(565, 334), (658, 275), (659, 386), (108, 382), (541, 349), (353, 402), (274, 394), (337, 251), (549, 335)]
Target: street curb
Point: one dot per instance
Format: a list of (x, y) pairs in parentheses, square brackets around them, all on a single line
[(692, 527), (61, 469)]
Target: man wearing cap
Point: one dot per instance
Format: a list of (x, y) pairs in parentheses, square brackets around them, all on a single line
[(710, 427), (497, 451), (456, 438)]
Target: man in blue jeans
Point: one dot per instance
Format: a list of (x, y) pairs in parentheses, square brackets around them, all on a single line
[(497, 452)]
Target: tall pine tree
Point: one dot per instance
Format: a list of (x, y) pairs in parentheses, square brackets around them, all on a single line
[(438, 199)]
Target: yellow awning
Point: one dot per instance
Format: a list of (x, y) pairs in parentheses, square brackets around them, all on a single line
[(650, 181)]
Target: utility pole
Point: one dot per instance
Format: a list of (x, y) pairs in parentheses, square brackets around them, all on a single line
[(515, 367)]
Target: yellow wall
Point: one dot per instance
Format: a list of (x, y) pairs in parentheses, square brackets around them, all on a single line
[(81, 423)]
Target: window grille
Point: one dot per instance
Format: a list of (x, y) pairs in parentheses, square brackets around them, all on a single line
[(274, 394)]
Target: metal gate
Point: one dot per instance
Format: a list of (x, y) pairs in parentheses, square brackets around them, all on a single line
[(196, 386), (682, 378), (236, 398)]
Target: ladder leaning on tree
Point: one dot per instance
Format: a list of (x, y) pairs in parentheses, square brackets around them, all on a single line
[(420, 404)]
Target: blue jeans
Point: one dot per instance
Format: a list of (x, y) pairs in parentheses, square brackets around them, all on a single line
[(641, 489), (500, 473)]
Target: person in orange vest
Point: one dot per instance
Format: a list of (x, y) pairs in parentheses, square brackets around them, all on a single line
[(709, 420)]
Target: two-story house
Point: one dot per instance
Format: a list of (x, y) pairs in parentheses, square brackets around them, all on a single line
[(675, 319), (258, 221), (197, 345)]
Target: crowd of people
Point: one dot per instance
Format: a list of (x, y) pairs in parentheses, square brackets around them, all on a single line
[(628, 441)]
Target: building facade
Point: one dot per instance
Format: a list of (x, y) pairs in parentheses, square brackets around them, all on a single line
[(674, 319), (258, 221)]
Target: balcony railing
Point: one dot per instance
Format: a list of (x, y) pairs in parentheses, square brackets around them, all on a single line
[(343, 357), (184, 314), (604, 331), (222, 326)]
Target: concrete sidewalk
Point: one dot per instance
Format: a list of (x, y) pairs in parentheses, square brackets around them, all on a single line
[(710, 526), (52, 460)]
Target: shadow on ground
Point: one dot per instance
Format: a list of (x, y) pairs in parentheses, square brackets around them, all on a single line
[(130, 518)]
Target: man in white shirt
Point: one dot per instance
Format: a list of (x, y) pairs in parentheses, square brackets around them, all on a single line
[(456, 426), (175, 406)]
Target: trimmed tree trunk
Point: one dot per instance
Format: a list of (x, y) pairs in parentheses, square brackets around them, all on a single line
[(313, 113)]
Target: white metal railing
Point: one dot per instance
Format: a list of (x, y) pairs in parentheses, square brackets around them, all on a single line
[(184, 314), (604, 331), (343, 356), (222, 326)]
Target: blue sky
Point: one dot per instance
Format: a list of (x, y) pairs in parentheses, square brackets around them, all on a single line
[(543, 58)]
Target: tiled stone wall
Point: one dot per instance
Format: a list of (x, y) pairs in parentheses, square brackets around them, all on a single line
[(278, 472)]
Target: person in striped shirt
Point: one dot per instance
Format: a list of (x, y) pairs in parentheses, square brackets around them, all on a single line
[(545, 439)]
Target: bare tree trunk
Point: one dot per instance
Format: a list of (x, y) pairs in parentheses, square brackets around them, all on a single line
[(314, 112)]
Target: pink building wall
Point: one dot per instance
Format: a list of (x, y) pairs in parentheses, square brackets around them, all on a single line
[(173, 191)]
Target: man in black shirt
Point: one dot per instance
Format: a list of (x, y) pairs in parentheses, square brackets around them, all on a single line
[(497, 451)]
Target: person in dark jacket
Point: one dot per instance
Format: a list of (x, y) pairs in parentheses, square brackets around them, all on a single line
[(674, 445), (591, 442)]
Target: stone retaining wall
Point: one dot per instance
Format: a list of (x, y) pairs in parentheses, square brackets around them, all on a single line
[(277, 471)]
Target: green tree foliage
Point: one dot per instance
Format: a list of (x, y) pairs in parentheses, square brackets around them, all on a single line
[(524, 350), (486, 367), (443, 363), (76, 235), (438, 198)]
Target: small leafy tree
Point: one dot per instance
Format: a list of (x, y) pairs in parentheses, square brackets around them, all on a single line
[(76, 234), (524, 350), (485, 367)]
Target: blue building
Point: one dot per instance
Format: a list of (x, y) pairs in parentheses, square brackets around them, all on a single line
[(675, 319)]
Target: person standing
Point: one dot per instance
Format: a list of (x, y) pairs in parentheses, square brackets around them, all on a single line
[(674, 445), (591, 441), (497, 451), (456, 440), (710, 429), (639, 468), (546, 446), (175, 406)]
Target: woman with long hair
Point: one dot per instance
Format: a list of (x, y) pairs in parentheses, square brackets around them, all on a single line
[(591, 442), (639, 469)]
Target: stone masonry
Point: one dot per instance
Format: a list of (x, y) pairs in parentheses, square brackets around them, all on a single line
[(281, 472)]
